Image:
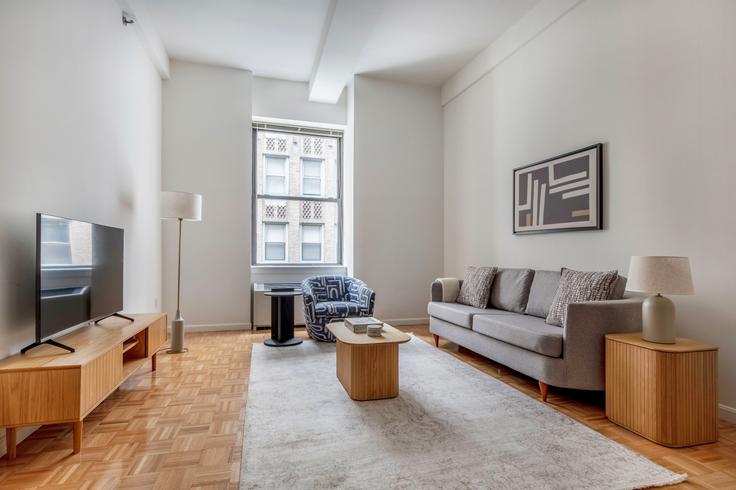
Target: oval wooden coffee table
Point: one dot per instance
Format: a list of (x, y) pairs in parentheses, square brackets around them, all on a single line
[(368, 367)]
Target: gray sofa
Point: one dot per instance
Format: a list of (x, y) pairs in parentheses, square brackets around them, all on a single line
[(513, 332)]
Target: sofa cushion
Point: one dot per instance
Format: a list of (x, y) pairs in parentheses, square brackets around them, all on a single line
[(476, 288), (528, 332), (618, 289), (510, 289), (579, 286), (542, 293), (461, 315)]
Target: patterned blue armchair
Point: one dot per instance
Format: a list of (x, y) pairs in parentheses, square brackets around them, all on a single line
[(331, 297)]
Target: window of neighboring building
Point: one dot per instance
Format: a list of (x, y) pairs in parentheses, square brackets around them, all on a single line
[(311, 243), (311, 177), (275, 236), (297, 195), (276, 174)]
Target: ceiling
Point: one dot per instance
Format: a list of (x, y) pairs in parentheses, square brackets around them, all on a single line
[(325, 42)]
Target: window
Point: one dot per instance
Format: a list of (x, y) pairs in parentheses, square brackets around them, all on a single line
[(311, 243), (311, 177), (275, 242), (297, 195), (276, 175)]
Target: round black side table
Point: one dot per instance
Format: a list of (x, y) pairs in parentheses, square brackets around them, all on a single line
[(282, 319)]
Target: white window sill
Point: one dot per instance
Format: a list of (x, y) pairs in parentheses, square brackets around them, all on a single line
[(296, 267)]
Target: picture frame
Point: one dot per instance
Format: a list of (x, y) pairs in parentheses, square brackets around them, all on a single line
[(562, 193)]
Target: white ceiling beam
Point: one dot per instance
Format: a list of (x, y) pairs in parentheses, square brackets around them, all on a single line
[(348, 25), (546, 13), (148, 36)]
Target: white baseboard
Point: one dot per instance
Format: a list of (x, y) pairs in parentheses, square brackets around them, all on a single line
[(215, 327), (406, 321), (21, 435), (728, 413)]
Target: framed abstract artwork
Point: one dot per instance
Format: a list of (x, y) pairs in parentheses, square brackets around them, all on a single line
[(563, 193)]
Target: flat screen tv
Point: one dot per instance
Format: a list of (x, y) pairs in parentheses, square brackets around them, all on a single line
[(79, 275)]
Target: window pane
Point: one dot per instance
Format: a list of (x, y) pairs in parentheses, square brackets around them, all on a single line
[(312, 187), (312, 233), (276, 166), (311, 252), (275, 185), (275, 251), (318, 158), (276, 233), (312, 168)]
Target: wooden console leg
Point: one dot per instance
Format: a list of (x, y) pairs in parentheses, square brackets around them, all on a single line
[(153, 362), (543, 389), (436, 340), (11, 434), (77, 437)]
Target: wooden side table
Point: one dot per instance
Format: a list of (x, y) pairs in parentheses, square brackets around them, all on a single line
[(667, 393)]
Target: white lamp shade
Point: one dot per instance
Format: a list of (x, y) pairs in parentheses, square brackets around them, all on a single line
[(659, 274), (181, 205)]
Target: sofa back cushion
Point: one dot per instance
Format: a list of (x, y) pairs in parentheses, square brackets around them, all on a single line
[(619, 288), (510, 289), (542, 293)]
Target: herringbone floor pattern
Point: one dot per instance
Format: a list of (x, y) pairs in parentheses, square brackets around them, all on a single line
[(182, 427)]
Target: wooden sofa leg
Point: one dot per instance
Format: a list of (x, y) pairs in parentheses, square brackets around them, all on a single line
[(543, 389), (436, 340)]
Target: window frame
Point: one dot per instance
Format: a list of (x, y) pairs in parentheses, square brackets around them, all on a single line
[(338, 135), (321, 242), (285, 242)]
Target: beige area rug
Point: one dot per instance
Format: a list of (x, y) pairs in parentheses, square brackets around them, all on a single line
[(451, 426)]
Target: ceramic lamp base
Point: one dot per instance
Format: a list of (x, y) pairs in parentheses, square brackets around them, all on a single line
[(658, 320), (177, 335)]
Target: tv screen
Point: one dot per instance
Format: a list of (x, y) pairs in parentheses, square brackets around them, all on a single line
[(79, 274)]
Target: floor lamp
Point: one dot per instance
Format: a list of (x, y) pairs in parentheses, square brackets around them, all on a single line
[(182, 206)]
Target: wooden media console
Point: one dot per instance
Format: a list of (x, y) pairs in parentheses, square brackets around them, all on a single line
[(50, 386)]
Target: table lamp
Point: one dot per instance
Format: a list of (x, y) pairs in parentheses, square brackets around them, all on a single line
[(657, 275), (182, 206)]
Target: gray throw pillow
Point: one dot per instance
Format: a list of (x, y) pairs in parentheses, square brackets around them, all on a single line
[(510, 289), (476, 287), (576, 287)]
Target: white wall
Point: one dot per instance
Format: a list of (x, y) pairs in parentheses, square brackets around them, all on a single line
[(80, 135), (285, 99), (397, 222), (654, 81), (207, 150)]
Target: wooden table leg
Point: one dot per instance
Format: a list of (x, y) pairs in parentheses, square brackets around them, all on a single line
[(77, 437), (11, 434), (153, 362)]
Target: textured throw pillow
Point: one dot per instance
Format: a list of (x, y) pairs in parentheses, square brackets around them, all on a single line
[(476, 288), (576, 287)]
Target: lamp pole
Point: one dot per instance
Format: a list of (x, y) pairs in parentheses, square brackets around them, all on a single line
[(177, 325)]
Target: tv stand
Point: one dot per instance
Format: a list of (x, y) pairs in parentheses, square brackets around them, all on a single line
[(50, 342), (46, 387), (119, 315)]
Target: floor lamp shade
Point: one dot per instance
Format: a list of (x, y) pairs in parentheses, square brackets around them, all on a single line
[(181, 205), (656, 275)]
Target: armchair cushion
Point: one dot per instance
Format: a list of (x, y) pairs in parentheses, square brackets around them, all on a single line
[(336, 309)]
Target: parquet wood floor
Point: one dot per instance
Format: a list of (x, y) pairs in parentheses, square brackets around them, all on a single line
[(181, 427)]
